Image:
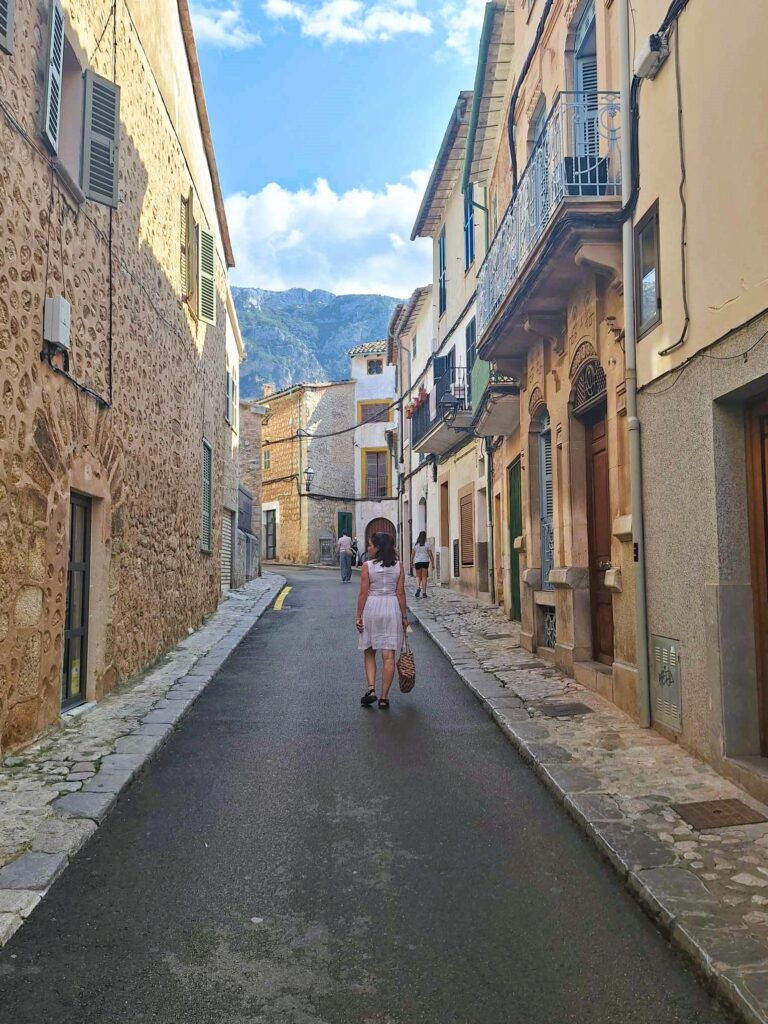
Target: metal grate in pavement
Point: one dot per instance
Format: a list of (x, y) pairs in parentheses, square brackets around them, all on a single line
[(565, 710), (704, 814)]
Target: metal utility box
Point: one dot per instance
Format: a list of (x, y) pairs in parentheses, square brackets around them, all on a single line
[(56, 321), (665, 682)]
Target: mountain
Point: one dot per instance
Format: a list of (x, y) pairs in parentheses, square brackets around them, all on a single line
[(299, 335)]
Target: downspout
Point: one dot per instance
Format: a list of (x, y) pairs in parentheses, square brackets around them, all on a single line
[(489, 503), (630, 346)]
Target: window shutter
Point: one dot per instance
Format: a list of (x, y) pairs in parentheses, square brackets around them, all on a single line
[(229, 398), (101, 138), (7, 12), (52, 105), (546, 505), (466, 530), (184, 234), (206, 538), (206, 276)]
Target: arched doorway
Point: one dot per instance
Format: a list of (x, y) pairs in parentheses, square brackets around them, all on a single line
[(380, 525), (589, 405), (422, 518)]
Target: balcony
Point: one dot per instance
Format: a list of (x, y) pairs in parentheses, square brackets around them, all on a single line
[(440, 423), (495, 401), (574, 169)]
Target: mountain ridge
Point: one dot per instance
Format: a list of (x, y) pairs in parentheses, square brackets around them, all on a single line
[(303, 334)]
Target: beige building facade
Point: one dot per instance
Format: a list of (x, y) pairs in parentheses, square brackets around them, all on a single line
[(308, 471), (550, 314), (113, 296), (701, 253)]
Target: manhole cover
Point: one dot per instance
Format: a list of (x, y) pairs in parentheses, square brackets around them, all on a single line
[(704, 814), (565, 710)]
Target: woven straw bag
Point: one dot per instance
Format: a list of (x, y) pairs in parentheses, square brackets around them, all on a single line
[(406, 668)]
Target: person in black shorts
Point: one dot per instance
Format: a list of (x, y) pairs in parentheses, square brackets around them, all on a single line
[(421, 560)]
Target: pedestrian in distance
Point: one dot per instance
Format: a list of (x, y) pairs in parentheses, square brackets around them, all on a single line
[(382, 615), (355, 552), (421, 560), (344, 548)]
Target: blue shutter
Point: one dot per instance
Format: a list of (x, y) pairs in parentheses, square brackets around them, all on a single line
[(7, 12)]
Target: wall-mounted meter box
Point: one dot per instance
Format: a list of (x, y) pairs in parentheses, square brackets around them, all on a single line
[(56, 322)]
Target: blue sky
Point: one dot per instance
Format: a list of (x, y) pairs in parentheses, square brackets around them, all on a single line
[(326, 117)]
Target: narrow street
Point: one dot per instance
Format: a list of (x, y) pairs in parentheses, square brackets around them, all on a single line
[(292, 857)]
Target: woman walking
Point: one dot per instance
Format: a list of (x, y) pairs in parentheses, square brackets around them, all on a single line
[(421, 559), (381, 614)]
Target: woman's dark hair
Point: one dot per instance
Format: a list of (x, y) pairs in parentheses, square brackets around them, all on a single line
[(384, 546), (421, 540)]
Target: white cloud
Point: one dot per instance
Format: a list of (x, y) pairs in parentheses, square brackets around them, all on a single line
[(222, 27), (463, 22), (355, 241), (352, 21)]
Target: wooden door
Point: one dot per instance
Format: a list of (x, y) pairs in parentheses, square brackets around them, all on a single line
[(599, 536), (380, 525), (515, 531), (757, 486), (75, 665), (498, 543)]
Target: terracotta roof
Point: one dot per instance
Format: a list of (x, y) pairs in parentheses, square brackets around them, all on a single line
[(205, 126), (370, 348), (446, 171)]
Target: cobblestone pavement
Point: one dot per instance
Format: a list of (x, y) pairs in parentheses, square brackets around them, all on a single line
[(54, 794), (707, 890)]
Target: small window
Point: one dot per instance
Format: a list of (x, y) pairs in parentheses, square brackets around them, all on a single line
[(471, 338), (230, 394), (206, 532), (469, 227), (647, 280), (375, 366), (267, 460), (413, 348), (7, 11), (374, 412), (442, 296), (495, 213), (185, 245)]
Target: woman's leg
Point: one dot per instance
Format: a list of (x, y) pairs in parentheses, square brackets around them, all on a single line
[(388, 672), (423, 580), (369, 660)]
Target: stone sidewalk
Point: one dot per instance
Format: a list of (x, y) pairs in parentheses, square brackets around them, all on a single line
[(708, 891), (55, 793)]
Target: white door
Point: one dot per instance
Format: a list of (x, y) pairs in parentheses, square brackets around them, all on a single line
[(226, 550)]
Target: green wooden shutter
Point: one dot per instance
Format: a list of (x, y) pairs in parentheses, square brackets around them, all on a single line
[(101, 138), (206, 276), (52, 105), (7, 12), (206, 531)]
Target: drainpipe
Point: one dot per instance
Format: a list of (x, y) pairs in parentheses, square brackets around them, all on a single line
[(489, 504), (630, 346)]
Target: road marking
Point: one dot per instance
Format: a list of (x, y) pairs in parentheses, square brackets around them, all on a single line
[(281, 597)]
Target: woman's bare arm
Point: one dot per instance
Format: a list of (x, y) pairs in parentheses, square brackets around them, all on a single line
[(362, 597), (401, 594)]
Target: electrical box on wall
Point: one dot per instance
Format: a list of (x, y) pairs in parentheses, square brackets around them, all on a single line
[(665, 682), (650, 56), (56, 322)]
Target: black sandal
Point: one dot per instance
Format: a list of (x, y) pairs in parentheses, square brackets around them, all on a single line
[(368, 698), (383, 703)]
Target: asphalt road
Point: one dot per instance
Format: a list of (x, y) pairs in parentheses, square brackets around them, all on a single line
[(291, 858)]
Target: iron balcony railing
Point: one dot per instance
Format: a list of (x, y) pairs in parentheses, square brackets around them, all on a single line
[(577, 155), (450, 394), (376, 486)]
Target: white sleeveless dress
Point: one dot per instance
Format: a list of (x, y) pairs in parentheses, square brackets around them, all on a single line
[(382, 618)]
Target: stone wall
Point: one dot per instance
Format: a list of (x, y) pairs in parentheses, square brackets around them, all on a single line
[(250, 460), (160, 374), (279, 479)]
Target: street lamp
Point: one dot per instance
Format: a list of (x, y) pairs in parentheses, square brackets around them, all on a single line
[(309, 474)]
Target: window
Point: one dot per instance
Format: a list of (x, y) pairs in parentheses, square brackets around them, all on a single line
[(7, 11), (495, 212), (267, 461), (469, 227), (229, 407), (206, 275), (374, 412), (471, 337), (375, 366), (466, 530), (441, 277), (647, 281), (376, 466), (413, 348), (81, 117), (185, 245), (206, 531)]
